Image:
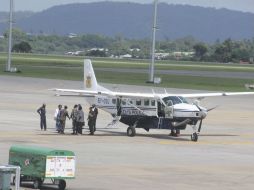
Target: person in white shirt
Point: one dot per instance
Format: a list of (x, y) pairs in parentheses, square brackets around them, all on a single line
[(57, 117)]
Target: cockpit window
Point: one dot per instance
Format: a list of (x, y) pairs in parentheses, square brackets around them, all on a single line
[(123, 102), (174, 99), (183, 99)]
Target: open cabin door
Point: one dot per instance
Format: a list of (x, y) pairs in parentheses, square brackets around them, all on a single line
[(166, 110), (119, 106), (169, 111)]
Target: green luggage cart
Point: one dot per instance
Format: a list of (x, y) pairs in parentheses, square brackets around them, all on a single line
[(38, 164)]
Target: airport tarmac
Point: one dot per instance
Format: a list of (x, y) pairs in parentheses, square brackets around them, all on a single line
[(223, 158)]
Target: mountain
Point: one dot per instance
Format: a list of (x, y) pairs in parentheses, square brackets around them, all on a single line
[(4, 16), (134, 20)]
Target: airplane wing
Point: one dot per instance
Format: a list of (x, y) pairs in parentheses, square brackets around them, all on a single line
[(203, 95), (148, 95), (194, 95), (92, 88), (74, 92), (108, 93)]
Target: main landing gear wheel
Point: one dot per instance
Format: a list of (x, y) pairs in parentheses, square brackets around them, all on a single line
[(131, 131), (14, 181), (37, 184), (194, 137), (62, 184)]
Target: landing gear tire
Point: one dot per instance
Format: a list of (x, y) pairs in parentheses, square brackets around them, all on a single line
[(131, 131), (62, 184), (37, 184), (194, 137), (14, 181)]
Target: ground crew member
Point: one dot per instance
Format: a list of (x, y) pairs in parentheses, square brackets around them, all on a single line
[(42, 112), (95, 110), (63, 114), (91, 121), (73, 116)]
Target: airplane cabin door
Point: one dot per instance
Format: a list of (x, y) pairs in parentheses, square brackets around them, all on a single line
[(169, 110), (118, 106)]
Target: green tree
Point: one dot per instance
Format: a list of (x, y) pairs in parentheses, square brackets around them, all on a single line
[(223, 52), (96, 53), (22, 47), (17, 35), (200, 50)]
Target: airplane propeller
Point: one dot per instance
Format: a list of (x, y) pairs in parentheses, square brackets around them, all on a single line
[(200, 125), (203, 115)]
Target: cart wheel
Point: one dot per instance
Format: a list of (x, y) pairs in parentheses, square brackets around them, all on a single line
[(14, 180), (37, 183), (62, 184)]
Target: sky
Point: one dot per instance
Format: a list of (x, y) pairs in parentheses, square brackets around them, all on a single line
[(39, 5)]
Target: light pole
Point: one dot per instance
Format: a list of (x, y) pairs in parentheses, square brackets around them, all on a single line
[(151, 67), (8, 65)]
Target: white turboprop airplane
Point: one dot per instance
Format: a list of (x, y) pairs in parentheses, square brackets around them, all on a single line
[(146, 110)]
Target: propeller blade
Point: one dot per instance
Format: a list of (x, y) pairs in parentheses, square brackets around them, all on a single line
[(200, 125), (212, 108)]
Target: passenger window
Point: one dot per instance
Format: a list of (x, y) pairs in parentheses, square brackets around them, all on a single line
[(153, 102), (113, 101), (146, 102), (138, 102), (123, 102)]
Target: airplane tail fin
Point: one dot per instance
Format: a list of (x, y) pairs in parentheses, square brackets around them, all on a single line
[(90, 82)]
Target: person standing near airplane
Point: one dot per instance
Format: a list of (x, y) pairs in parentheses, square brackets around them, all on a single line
[(63, 114), (80, 120), (74, 118), (57, 117), (42, 112), (95, 111), (91, 121)]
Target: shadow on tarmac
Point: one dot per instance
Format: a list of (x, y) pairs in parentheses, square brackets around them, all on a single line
[(110, 133)]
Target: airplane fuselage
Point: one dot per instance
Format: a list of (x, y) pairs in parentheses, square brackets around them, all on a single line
[(148, 113)]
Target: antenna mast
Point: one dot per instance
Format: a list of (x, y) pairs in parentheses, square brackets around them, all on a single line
[(8, 65), (151, 68)]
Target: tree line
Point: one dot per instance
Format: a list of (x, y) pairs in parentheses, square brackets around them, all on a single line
[(226, 51)]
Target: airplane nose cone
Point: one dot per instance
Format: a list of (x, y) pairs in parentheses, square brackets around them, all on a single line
[(203, 114)]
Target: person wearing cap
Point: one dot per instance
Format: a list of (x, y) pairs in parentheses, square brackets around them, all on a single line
[(42, 112)]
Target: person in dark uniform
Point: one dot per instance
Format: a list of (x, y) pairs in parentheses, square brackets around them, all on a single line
[(91, 121), (63, 114), (42, 112), (95, 112)]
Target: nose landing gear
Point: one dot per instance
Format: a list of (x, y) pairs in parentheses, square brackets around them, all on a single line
[(194, 137)]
